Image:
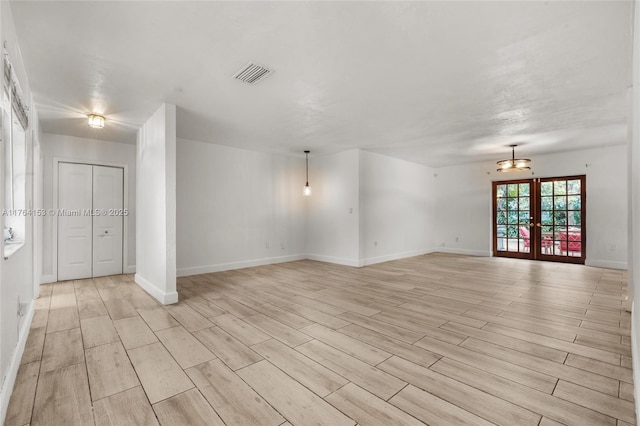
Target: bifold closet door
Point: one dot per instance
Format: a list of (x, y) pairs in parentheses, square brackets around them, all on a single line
[(90, 221), (107, 220), (75, 230)]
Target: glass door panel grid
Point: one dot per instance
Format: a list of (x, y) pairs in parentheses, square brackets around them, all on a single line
[(561, 215), (513, 215)]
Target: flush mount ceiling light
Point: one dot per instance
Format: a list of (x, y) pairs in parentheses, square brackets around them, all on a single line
[(514, 164), (307, 189), (96, 121)]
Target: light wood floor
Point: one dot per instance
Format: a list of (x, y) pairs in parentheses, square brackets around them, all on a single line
[(436, 339)]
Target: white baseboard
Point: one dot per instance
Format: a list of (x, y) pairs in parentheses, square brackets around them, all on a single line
[(159, 295), (609, 264), (394, 256), (185, 272), (12, 372), (452, 250), (197, 270), (337, 260), (46, 279), (635, 360)]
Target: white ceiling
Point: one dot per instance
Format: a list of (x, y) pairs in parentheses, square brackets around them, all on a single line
[(437, 83)]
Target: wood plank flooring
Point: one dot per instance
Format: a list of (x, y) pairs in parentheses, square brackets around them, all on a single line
[(436, 339)]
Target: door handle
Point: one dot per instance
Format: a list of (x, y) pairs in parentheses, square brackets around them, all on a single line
[(539, 225)]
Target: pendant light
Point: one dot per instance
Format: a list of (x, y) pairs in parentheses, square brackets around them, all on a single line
[(307, 189), (514, 164)]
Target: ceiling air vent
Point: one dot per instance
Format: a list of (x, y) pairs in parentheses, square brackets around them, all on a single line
[(252, 73)]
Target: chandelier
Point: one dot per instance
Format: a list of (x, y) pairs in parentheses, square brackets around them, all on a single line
[(514, 164)]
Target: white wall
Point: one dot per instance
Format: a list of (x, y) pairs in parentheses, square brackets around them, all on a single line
[(16, 272), (464, 202), (237, 208), (634, 204), (463, 209), (90, 151), (397, 208), (156, 205), (333, 210)]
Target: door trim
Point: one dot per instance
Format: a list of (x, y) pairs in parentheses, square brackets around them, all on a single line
[(54, 220)]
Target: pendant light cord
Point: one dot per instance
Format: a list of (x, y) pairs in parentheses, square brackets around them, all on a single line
[(307, 167)]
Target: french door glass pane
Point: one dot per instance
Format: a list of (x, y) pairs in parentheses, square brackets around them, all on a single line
[(560, 187), (575, 218), (559, 218), (574, 186), (560, 203), (574, 202), (501, 218)]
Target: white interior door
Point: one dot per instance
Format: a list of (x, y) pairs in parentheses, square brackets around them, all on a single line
[(107, 220), (75, 194)]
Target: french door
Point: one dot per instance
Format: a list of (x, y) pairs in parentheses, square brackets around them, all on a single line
[(540, 219)]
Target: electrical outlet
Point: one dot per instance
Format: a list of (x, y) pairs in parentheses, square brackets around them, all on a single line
[(375, 243), (350, 210), (612, 247), (266, 245), (282, 246), (457, 239)]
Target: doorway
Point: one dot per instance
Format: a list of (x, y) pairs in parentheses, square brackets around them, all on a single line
[(90, 220), (541, 219)]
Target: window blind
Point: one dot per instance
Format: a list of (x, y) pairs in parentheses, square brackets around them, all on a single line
[(17, 103)]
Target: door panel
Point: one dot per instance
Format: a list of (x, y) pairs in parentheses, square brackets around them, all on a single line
[(562, 218), (107, 220), (540, 219), (513, 219), (75, 228)]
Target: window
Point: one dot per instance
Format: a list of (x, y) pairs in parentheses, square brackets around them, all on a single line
[(14, 124)]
